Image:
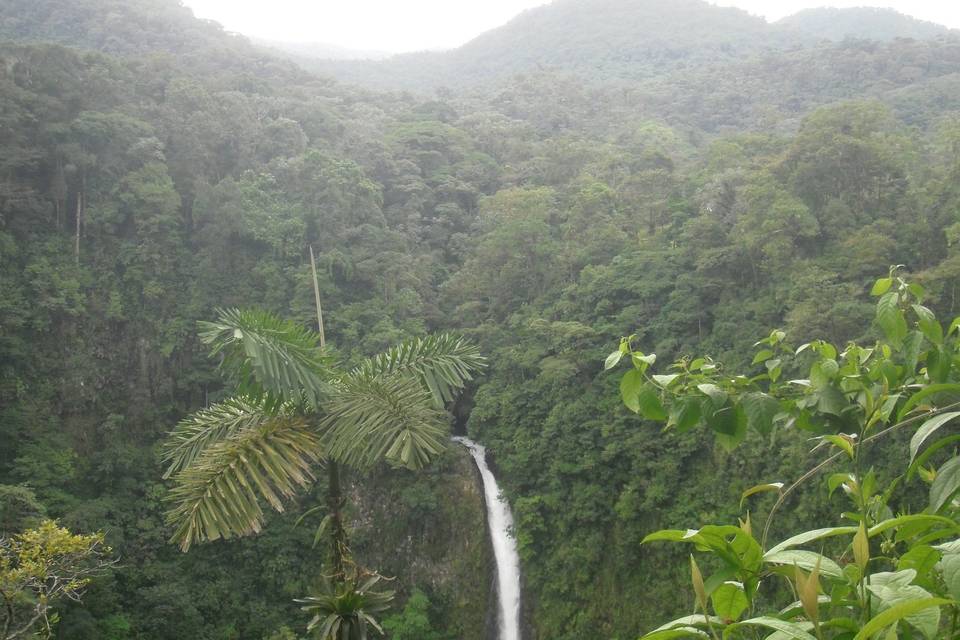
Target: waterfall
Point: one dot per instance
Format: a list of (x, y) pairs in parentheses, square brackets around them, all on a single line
[(500, 521)]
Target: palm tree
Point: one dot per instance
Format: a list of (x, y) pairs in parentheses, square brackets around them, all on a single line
[(295, 412)]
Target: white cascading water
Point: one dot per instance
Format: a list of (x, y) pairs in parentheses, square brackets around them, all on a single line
[(500, 521)]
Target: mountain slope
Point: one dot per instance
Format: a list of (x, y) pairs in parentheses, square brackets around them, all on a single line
[(868, 23), (622, 40), (632, 38)]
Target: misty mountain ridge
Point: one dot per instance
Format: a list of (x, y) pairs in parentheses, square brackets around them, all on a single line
[(868, 23), (624, 39), (320, 50)]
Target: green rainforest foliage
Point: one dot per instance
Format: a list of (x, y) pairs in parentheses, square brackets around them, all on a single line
[(555, 185), (850, 400)]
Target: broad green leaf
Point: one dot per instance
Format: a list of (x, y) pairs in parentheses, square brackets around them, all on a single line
[(921, 558), (715, 393), (630, 385), (670, 535), (838, 479), (939, 363), (831, 400), (684, 413), (679, 632), (897, 613), (760, 410), (729, 600), (912, 346), (927, 429), (890, 318), (950, 565), (641, 361), (881, 286), (915, 519), (805, 560), (927, 392), (762, 356), (649, 403), (665, 380), (810, 536), (823, 372), (945, 484), (730, 425), (690, 621), (842, 443), (760, 488), (928, 324), (790, 629), (893, 588), (929, 452), (613, 360)]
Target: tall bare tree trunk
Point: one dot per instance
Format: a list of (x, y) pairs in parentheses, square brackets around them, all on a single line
[(76, 250), (335, 500), (316, 294), (83, 186)]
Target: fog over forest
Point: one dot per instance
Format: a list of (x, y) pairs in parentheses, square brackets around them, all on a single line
[(627, 319)]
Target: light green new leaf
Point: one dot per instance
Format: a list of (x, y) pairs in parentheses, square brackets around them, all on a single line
[(913, 519), (648, 401), (685, 413), (630, 385), (696, 620), (729, 601), (927, 429), (890, 318), (893, 588), (810, 536), (895, 614), (945, 484), (928, 324), (760, 409), (951, 390), (760, 488), (790, 629), (679, 632), (881, 286), (950, 565), (805, 560), (612, 360), (665, 380)]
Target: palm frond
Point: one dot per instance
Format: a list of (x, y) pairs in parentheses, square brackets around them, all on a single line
[(442, 363), (275, 360), (383, 417), (206, 427), (218, 494)]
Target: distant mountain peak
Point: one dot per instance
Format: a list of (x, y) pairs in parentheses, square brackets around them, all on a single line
[(869, 23)]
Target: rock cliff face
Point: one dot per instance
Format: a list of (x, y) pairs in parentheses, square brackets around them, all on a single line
[(429, 530)]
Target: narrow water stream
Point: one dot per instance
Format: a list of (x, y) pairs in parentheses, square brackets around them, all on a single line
[(500, 521)]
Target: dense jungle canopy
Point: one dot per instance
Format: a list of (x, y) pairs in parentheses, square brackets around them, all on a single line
[(594, 169)]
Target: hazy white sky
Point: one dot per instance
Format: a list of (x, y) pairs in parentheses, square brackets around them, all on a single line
[(410, 25)]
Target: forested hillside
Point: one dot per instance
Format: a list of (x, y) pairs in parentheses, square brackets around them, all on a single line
[(625, 40), (155, 168)]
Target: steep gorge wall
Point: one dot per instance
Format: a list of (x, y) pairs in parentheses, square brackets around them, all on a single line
[(429, 530)]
